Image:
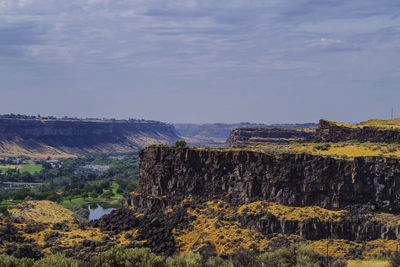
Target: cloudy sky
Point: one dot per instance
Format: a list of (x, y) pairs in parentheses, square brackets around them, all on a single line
[(201, 61)]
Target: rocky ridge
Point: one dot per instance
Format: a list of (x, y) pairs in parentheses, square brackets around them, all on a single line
[(328, 131), (261, 135)]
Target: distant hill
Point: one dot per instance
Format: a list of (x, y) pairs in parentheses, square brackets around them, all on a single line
[(40, 138)]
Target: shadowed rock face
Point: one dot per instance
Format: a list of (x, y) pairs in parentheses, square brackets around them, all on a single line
[(262, 135), (292, 179), (174, 177), (78, 136), (330, 132)]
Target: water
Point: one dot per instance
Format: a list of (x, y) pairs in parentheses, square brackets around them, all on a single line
[(96, 211)]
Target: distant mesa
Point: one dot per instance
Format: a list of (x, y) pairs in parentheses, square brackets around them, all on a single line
[(261, 135), (57, 138)]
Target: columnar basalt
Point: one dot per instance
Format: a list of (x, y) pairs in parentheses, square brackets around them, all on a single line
[(286, 178)]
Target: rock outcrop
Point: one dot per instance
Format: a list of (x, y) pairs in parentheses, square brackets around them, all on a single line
[(262, 135), (328, 131), (286, 178), (62, 137), (230, 194)]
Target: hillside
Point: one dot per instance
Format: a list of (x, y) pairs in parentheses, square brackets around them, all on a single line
[(68, 138)]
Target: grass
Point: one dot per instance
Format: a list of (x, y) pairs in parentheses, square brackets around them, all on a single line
[(114, 189), (378, 123), (31, 168), (283, 212), (213, 225), (43, 211), (367, 263), (344, 150), (349, 149), (34, 168), (6, 203)]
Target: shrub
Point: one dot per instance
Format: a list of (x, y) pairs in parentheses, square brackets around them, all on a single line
[(11, 261), (339, 263), (295, 255), (121, 257), (218, 262), (395, 259), (244, 258), (180, 143), (57, 260), (189, 260)]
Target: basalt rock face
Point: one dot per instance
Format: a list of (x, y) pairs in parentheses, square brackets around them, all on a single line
[(80, 137), (330, 132), (262, 135), (245, 176), (363, 194)]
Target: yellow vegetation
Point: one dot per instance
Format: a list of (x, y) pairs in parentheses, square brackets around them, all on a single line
[(378, 123), (395, 123), (336, 247), (345, 150), (348, 149), (367, 263), (387, 218), (380, 246), (207, 229), (283, 212), (42, 211)]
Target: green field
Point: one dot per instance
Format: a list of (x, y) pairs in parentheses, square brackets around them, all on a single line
[(31, 168)]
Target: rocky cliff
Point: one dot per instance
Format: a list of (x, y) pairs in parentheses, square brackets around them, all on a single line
[(262, 135), (286, 178), (75, 137), (328, 131), (231, 196)]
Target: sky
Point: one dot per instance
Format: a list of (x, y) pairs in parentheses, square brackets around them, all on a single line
[(267, 61)]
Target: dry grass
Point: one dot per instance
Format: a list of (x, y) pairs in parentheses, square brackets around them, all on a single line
[(350, 150), (283, 212), (227, 236), (43, 211), (339, 248), (367, 263), (378, 123), (344, 150)]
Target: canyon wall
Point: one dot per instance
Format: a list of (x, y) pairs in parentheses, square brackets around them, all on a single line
[(77, 137), (170, 174)]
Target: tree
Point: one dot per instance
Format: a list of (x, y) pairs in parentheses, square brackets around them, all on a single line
[(180, 143)]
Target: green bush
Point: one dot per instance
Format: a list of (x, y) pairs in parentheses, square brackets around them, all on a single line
[(57, 260), (180, 143), (189, 260), (218, 262), (133, 257), (300, 255), (11, 261)]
